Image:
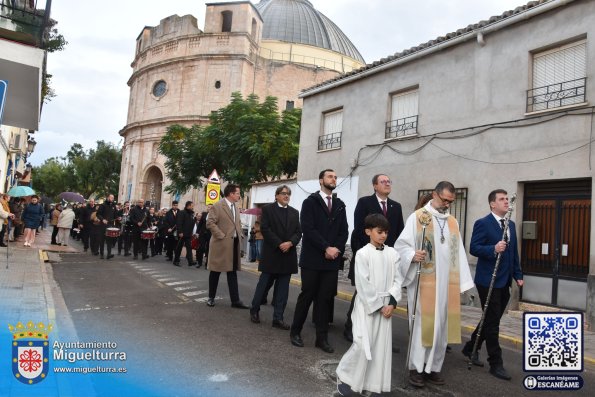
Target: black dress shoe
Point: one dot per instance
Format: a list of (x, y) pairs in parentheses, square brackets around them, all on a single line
[(198, 265), (110, 256), (3, 245), (348, 335), (324, 346), (435, 378), (280, 325), (254, 317), (416, 378), (344, 389), (500, 373), (145, 257), (167, 258), (210, 302), (127, 254), (191, 264), (101, 256), (475, 359), (239, 305), (177, 264), (296, 340)]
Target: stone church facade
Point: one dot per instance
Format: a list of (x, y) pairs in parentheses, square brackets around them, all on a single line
[(182, 73)]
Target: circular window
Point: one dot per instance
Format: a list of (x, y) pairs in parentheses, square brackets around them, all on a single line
[(159, 88)]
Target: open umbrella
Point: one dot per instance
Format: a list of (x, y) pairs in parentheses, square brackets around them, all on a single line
[(21, 191), (253, 211), (72, 197)]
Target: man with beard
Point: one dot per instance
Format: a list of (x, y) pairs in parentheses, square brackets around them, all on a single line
[(377, 203), (107, 216), (185, 226), (139, 220), (444, 276), (325, 231), (171, 238)]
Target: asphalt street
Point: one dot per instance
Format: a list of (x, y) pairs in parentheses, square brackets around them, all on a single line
[(157, 313)]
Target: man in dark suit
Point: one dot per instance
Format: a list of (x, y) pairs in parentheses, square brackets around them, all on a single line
[(280, 226), (171, 222), (325, 232), (487, 242), (377, 203), (107, 216), (139, 219), (185, 228)]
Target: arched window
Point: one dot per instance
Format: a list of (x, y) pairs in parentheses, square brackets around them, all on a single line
[(227, 17), (253, 32)]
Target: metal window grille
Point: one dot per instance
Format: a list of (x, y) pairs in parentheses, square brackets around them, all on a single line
[(401, 127), (559, 77), (458, 209), (404, 115)]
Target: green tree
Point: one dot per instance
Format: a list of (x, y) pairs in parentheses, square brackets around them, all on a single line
[(50, 178), (246, 142)]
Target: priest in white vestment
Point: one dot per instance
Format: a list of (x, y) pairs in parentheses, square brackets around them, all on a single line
[(444, 276), (367, 363)]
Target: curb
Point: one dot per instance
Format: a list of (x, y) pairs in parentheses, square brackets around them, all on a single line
[(516, 342)]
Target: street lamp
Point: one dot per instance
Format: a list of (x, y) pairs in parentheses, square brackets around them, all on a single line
[(31, 145)]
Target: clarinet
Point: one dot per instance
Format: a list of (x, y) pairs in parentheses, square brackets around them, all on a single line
[(492, 281)]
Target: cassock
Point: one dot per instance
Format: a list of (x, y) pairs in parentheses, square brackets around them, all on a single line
[(367, 364), (444, 248)]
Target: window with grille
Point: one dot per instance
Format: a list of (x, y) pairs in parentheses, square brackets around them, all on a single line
[(332, 129), (559, 77), (458, 209), (404, 112)]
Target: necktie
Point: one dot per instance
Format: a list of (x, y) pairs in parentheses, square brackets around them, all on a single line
[(330, 204), (506, 235), (233, 211), (383, 207)]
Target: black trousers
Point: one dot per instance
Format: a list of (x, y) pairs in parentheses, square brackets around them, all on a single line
[(170, 245), (95, 238), (139, 245), (491, 323), (202, 251), (348, 322), (124, 242), (280, 293), (54, 234), (318, 286), (232, 278), (185, 241), (85, 235)]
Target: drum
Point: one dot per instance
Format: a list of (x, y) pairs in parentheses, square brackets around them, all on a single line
[(148, 234), (112, 232)]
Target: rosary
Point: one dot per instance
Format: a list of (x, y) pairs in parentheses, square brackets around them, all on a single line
[(441, 229)]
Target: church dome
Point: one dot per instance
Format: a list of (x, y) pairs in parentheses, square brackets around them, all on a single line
[(296, 21)]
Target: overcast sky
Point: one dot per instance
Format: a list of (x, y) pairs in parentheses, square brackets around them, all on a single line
[(90, 75)]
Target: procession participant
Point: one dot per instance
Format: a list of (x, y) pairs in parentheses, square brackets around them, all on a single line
[(64, 225), (204, 238), (280, 227), (139, 220), (486, 244), (185, 226), (31, 216), (107, 216), (54, 222), (85, 223), (324, 234), (161, 231), (96, 230), (123, 222), (171, 222), (224, 223), (153, 226), (367, 363), (444, 276), (377, 203)]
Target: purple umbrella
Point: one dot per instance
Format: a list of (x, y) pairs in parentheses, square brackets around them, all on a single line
[(253, 211), (72, 197)]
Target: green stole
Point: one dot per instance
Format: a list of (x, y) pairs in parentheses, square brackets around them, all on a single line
[(427, 281)]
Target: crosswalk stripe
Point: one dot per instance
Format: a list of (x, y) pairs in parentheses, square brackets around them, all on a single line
[(166, 279), (185, 288), (180, 282), (206, 298), (194, 293)]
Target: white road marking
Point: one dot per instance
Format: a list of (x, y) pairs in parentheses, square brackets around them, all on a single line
[(185, 288), (206, 298), (180, 282), (194, 293), (166, 279), (219, 378)]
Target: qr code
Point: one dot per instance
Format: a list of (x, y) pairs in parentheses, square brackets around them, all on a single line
[(553, 341)]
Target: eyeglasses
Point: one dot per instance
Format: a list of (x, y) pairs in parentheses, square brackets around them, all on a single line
[(387, 182), (445, 201), (285, 193)]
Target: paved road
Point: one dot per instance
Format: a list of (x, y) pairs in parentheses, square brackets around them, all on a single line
[(176, 345)]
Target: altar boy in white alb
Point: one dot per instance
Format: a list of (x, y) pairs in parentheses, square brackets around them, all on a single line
[(444, 276), (367, 363)]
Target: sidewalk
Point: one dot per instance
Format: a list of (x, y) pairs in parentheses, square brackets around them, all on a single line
[(27, 291), (511, 327)]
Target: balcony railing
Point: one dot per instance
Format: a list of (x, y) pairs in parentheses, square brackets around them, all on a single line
[(401, 127), (329, 141), (556, 95), (23, 22)]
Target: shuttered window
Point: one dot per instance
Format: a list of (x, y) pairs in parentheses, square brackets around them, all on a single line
[(331, 130), (404, 112), (559, 77)]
